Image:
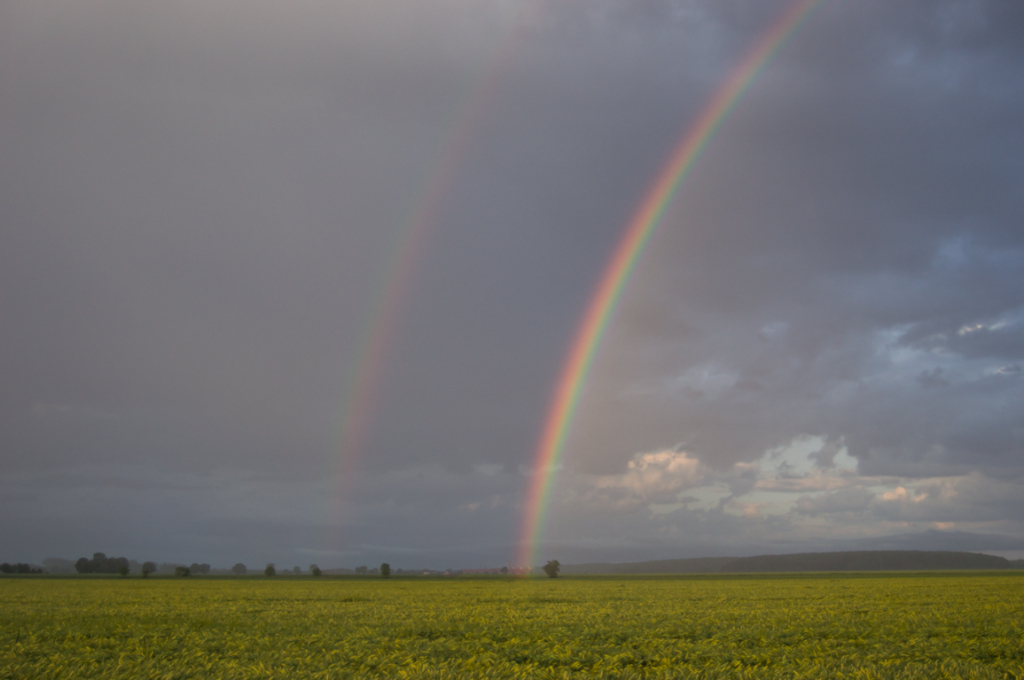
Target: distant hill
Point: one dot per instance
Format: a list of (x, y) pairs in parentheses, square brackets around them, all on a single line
[(865, 560), (696, 565)]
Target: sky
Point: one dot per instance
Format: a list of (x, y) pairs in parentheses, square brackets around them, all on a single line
[(202, 206)]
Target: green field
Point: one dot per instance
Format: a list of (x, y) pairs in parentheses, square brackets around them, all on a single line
[(949, 625)]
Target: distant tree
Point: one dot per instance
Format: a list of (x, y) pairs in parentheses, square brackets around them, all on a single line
[(124, 570), (98, 563), (204, 568), (239, 569), (552, 568), (148, 568), (182, 570), (385, 570), (314, 570), (101, 564), (362, 571), (504, 570), (271, 570), (19, 568), (296, 570)]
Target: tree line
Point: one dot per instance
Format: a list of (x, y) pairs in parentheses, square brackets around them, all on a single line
[(100, 563), (19, 568)]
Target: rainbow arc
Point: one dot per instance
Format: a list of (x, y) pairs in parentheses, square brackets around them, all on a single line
[(631, 246), (365, 385)]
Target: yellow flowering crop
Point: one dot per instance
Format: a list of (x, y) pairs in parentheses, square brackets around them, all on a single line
[(821, 626)]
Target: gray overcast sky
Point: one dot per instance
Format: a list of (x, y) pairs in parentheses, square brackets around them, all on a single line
[(200, 203)]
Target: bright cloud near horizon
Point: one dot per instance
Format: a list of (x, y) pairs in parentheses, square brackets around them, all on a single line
[(201, 204)]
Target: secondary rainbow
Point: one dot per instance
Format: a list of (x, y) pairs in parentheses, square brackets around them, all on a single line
[(365, 383), (624, 259)]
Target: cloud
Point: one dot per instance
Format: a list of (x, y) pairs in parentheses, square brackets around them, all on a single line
[(203, 203), (853, 499), (656, 477), (810, 492)]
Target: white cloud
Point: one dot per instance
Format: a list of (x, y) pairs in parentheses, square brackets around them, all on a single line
[(656, 477), (812, 486)]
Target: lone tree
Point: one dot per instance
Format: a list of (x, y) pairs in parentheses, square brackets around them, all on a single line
[(148, 568), (270, 570), (182, 570), (385, 570), (239, 569), (314, 570), (552, 568), (123, 570)]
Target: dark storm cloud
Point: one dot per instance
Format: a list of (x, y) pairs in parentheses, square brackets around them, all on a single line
[(888, 164), (201, 203)]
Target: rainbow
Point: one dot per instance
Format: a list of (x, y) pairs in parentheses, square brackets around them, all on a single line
[(624, 259), (364, 385)]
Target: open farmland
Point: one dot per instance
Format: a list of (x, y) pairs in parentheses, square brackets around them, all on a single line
[(933, 625)]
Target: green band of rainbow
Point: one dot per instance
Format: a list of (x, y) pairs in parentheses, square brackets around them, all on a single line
[(624, 259)]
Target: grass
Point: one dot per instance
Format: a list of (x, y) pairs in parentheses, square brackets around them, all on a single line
[(948, 625)]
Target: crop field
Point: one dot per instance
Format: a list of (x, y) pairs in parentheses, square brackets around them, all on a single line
[(820, 626)]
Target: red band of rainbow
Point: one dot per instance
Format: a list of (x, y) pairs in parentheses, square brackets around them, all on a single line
[(624, 260)]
